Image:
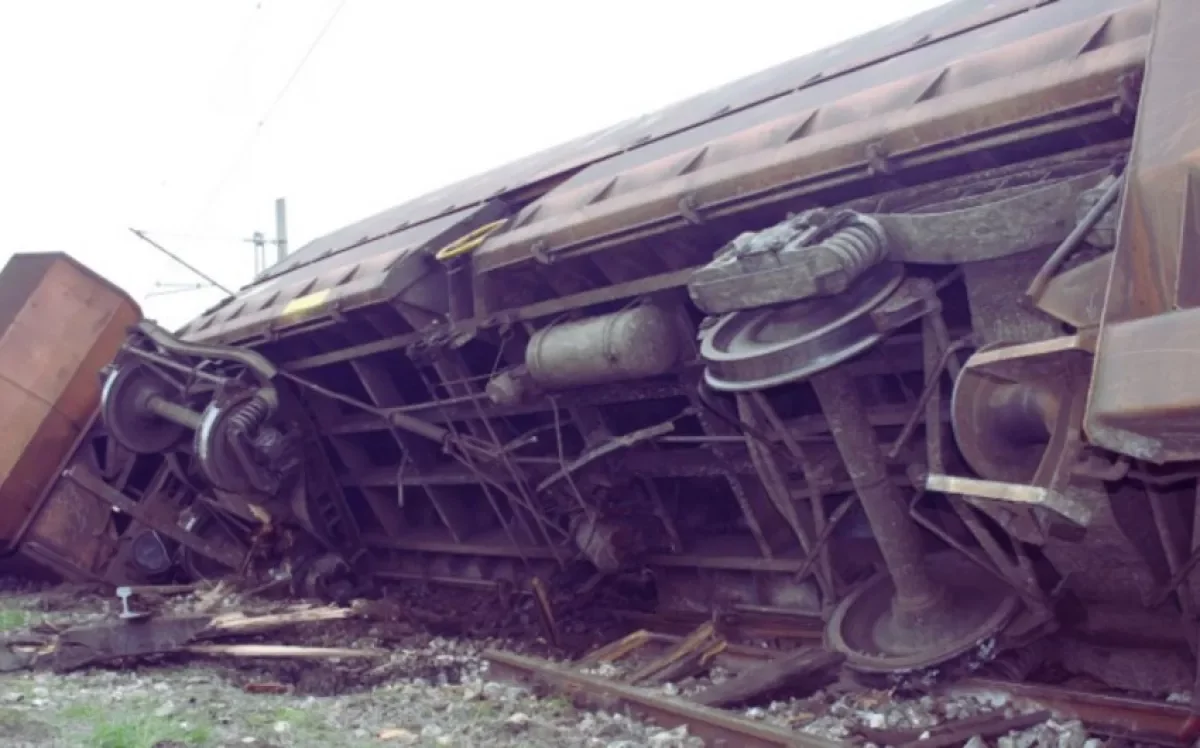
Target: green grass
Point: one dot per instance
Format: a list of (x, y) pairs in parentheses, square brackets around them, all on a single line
[(131, 726), (146, 732), (307, 725), (14, 618), (559, 705), (17, 726)]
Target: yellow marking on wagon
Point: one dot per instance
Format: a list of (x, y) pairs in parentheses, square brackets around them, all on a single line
[(305, 303)]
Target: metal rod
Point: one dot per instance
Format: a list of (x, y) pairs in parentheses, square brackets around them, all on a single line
[(173, 412), (178, 259), (1039, 282), (897, 535), (281, 241), (172, 364), (433, 433), (932, 385)]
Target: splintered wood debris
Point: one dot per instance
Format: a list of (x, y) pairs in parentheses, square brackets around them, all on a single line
[(142, 634)]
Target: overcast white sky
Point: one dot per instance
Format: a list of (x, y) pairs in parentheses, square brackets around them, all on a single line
[(138, 112)]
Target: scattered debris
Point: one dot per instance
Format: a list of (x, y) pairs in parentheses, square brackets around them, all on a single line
[(279, 650), (669, 712), (137, 635), (802, 671), (954, 733), (690, 656)]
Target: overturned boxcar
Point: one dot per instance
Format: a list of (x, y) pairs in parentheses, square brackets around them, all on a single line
[(896, 336)]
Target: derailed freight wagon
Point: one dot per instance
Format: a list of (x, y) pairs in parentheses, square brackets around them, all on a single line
[(899, 335)]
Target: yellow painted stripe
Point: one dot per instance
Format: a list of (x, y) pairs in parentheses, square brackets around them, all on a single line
[(305, 303)]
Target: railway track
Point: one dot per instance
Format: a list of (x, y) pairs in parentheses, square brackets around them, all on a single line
[(1137, 720), (717, 727), (1127, 718)]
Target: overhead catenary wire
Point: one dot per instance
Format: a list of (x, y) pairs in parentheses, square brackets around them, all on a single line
[(141, 235), (248, 145)]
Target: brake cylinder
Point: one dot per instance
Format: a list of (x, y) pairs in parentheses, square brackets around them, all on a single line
[(626, 345)]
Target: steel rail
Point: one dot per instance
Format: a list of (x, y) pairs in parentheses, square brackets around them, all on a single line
[(713, 725)]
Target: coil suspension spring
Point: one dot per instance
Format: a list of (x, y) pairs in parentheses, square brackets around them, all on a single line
[(859, 244), (250, 415)]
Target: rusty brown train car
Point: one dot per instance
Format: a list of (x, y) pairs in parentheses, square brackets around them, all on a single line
[(896, 336), (61, 324)]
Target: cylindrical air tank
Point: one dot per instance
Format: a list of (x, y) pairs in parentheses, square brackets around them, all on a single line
[(626, 345)]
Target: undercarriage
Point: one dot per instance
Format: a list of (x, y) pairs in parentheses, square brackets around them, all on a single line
[(892, 361)]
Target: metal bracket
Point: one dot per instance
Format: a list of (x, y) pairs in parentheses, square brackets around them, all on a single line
[(1015, 493)]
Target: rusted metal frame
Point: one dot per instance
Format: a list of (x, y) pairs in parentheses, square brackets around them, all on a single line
[(387, 419), (548, 308), (526, 553), (567, 468), (896, 354), (69, 570), (816, 497), (941, 358), (486, 485), (1032, 596), (554, 283), (642, 286), (48, 489), (329, 487), (655, 229), (1183, 593), (154, 500), (713, 725), (1038, 285), (929, 401), (664, 515), (696, 463), (911, 137), (514, 571), (412, 339), (449, 369), (981, 185), (517, 503), (564, 468), (822, 541), (104, 492), (385, 509), (630, 288), (193, 372), (776, 485), (383, 393), (463, 458), (692, 383), (590, 419), (1139, 405), (518, 475), (804, 427), (805, 117), (484, 481)]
